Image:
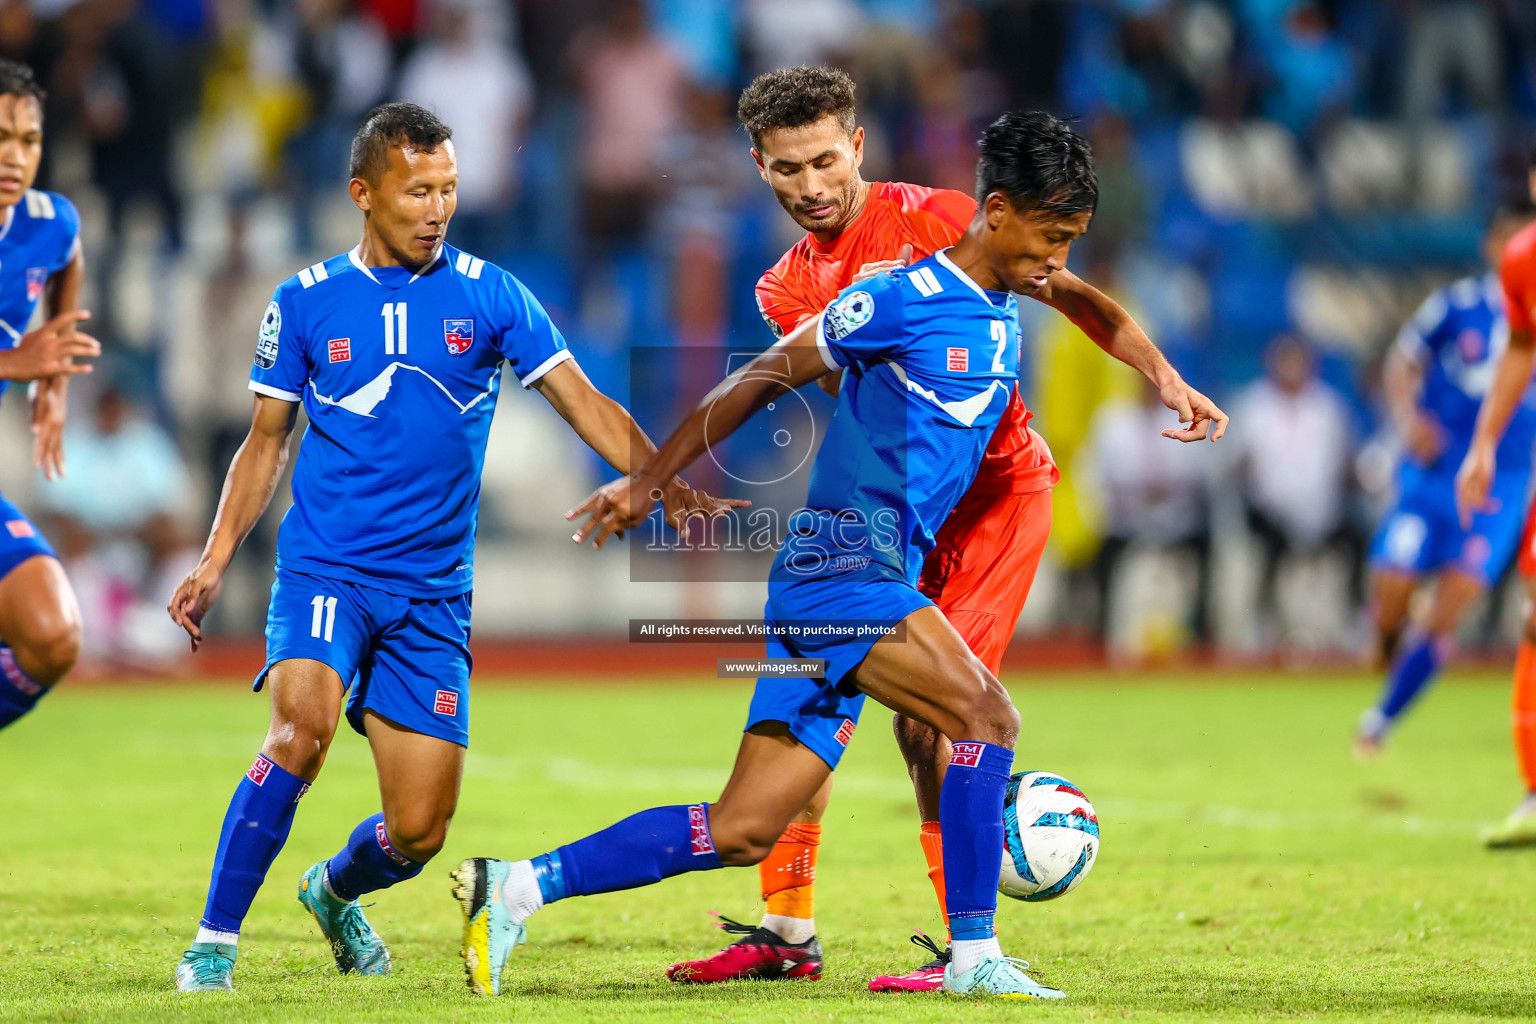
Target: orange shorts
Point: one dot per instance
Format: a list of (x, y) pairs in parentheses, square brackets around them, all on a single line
[(1527, 559), (984, 562)]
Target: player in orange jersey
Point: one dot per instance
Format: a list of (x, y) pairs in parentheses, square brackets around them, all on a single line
[(808, 149), (1511, 380)]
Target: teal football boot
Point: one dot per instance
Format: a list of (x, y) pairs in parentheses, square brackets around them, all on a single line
[(356, 946), (206, 967), (1000, 976), (490, 931)]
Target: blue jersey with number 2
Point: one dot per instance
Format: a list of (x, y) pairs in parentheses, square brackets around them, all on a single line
[(931, 360), (399, 370)]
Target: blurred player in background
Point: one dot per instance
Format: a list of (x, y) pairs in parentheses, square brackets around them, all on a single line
[(39, 256), (1478, 493), (809, 149), (396, 351), (1435, 377), (929, 361)]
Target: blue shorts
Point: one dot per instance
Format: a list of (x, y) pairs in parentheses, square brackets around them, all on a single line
[(406, 659), (1422, 534), (20, 539), (822, 713)]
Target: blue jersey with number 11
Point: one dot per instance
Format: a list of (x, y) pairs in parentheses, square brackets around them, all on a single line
[(399, 370)]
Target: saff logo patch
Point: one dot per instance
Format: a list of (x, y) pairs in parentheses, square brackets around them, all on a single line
[(959, 360), (848, 314), (459, 335), (37, 279), (267, 337), (340, 349), (446, 703)]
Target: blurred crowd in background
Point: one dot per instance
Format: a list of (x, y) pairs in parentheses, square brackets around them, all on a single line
[(1283, 181)]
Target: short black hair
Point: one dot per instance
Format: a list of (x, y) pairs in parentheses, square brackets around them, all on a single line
[(393, 124), (17, 79), (793, 97), (1038, 162)]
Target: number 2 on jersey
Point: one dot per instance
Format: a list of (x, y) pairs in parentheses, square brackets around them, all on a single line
[(325, 615), (394, 328), (999, 335)]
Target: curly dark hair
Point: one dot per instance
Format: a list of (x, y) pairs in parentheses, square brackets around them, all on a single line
[(1038, 162), (393, 124), (17, 80), (792, 97)]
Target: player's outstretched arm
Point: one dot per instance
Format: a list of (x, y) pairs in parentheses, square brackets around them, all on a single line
[(50, 394), (1116, 332), (623, 504), (609, 429), (51, 350), (248, 487), (1510, 379)]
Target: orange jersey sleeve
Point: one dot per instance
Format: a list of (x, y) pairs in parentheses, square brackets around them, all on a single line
[(1517, 272), (937, 217), (782, 305)]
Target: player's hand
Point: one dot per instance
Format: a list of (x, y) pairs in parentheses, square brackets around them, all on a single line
[(682, 504), (1473, 480), (1205, 419), (51, 350), (194, 597), (879, 267), (1425, 439), (616, 506), (48, 426)]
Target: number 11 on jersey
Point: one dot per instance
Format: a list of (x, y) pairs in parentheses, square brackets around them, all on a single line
[(394, 328), (324, 623)]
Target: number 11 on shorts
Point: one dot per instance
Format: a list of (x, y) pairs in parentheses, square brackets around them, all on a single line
[(325, 615)]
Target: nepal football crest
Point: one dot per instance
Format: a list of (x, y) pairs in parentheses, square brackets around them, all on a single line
[(459, 334), (37, 279)]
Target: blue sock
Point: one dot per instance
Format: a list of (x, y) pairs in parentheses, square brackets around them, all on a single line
[(971, 818), (19, 692), (368, 862), (1415, 666), (255, 828), (642, 849)]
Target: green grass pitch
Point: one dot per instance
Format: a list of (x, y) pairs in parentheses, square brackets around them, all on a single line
[(1251, 870)]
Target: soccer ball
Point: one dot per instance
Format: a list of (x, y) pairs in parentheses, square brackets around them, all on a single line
[(1050, 835)]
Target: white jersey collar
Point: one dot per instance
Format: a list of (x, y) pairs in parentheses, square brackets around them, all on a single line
[(943, 257), (357, 261)]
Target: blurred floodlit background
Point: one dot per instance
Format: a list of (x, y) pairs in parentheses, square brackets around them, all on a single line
[(1282, 183)]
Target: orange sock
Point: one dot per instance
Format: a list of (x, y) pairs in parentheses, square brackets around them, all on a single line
[(789, 873), (1523, 713), (933, 852)]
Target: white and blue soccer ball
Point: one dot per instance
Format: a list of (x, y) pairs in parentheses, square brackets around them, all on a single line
[(1050, 837)]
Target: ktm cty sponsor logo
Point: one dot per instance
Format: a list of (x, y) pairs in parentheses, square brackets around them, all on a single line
[(698, 830), (259, 769), (385, 845), (968, 754)]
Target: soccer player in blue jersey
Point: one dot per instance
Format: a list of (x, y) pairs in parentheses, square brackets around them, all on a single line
[(1436, 375), (929, 358), (396, 351), (39, 260)]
